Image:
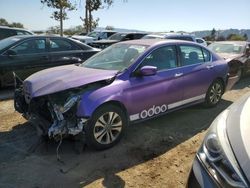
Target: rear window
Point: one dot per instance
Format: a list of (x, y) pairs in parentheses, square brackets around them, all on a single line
[(4, 33), (7, 42), (61, 45), (187, 38)]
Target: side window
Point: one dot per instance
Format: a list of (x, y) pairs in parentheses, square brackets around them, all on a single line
[(22, 33), (30, 47), (138, 36), (109, 34), (57, 45), (129, 37), (206, 54), (191, 55), (162, 58)]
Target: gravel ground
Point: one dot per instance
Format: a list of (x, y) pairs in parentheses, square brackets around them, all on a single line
[(156, 153)]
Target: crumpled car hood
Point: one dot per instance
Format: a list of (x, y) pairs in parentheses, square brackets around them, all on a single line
[(63, 77), (228, 56), (238, 131)]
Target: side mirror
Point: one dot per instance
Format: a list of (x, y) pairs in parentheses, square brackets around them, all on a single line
[(10, 53), (148, 71)]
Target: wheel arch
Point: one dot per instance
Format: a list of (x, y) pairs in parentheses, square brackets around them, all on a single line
[(114, 103), (234, 65), (222, 81)]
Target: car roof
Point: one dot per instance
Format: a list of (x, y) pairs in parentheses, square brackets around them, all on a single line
[(232, 42), (35, 36), (153, 42)]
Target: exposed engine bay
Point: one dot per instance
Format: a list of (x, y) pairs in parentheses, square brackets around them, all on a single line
[(54, 114)]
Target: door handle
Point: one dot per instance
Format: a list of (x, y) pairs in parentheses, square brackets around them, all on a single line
[(178, 74), (210, 66)]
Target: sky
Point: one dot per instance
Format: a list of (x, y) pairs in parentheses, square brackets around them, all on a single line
[(145, 15)]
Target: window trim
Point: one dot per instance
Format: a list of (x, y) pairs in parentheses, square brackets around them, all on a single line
[(26, 40), (68, 41), (195, 46)]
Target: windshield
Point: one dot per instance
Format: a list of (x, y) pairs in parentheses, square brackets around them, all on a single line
[(115, 57), (117, 36), (7, 42), (226, 48), (93, 34)]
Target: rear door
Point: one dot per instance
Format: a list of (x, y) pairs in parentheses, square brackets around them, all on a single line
[(64, 52), (197, 72)]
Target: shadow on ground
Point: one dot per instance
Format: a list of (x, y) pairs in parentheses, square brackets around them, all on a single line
[(143, 142)]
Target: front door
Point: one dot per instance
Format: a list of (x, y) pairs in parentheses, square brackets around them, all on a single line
[(27, 58)]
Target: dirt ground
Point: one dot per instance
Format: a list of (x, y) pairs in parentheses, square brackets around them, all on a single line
[(156, 153)]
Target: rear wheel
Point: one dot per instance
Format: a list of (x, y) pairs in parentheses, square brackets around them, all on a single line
[(106, 127), (214, 93)]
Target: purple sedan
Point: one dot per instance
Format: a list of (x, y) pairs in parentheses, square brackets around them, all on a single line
[(128, 82)]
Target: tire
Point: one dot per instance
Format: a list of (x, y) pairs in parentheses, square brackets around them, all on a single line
[(106, 127), (214, 93)]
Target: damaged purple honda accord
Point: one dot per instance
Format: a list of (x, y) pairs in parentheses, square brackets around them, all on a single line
[(128, 82)]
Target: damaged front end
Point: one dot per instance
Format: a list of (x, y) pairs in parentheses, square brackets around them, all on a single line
[(54, 114)]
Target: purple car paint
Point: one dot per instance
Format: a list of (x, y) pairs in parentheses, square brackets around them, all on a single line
[(64, 77), (137, 80)]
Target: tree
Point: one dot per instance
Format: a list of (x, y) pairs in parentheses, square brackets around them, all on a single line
[(245, 36), (4, 22), (109, 27), (53, 30), (60, 13), (235, 37), (220, 38), (213, 34), (16, 24), (90, 6)]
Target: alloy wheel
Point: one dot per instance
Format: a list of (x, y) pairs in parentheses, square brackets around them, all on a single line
[(107, 128), (215, 93)]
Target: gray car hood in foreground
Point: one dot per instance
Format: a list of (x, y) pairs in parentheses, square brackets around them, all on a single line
[(63, 77), (238, 130)]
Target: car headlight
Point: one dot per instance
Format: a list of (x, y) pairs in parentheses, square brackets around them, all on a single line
[(217, 155), (71, 101)]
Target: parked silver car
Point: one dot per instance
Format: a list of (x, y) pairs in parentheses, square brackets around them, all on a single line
[(223, 159)]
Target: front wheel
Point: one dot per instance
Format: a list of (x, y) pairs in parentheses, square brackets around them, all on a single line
[(106, 127), (214, 93)]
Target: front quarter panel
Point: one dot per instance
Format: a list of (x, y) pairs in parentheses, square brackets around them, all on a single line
[(91, 100)]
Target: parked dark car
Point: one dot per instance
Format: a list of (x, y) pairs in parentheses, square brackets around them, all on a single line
[(117, 38), (223, 159), (128, 82), (6, 32), (235, 53), (28, 54)]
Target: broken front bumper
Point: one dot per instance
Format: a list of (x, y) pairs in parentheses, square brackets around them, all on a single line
[(48, 117)]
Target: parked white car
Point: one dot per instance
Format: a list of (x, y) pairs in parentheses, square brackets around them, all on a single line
[(93, 36)]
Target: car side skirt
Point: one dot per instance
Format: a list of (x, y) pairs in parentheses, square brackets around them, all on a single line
[(134, 118)]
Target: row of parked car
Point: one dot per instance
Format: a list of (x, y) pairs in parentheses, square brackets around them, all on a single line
[(113, 89), (30, 53), (105, 38)]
